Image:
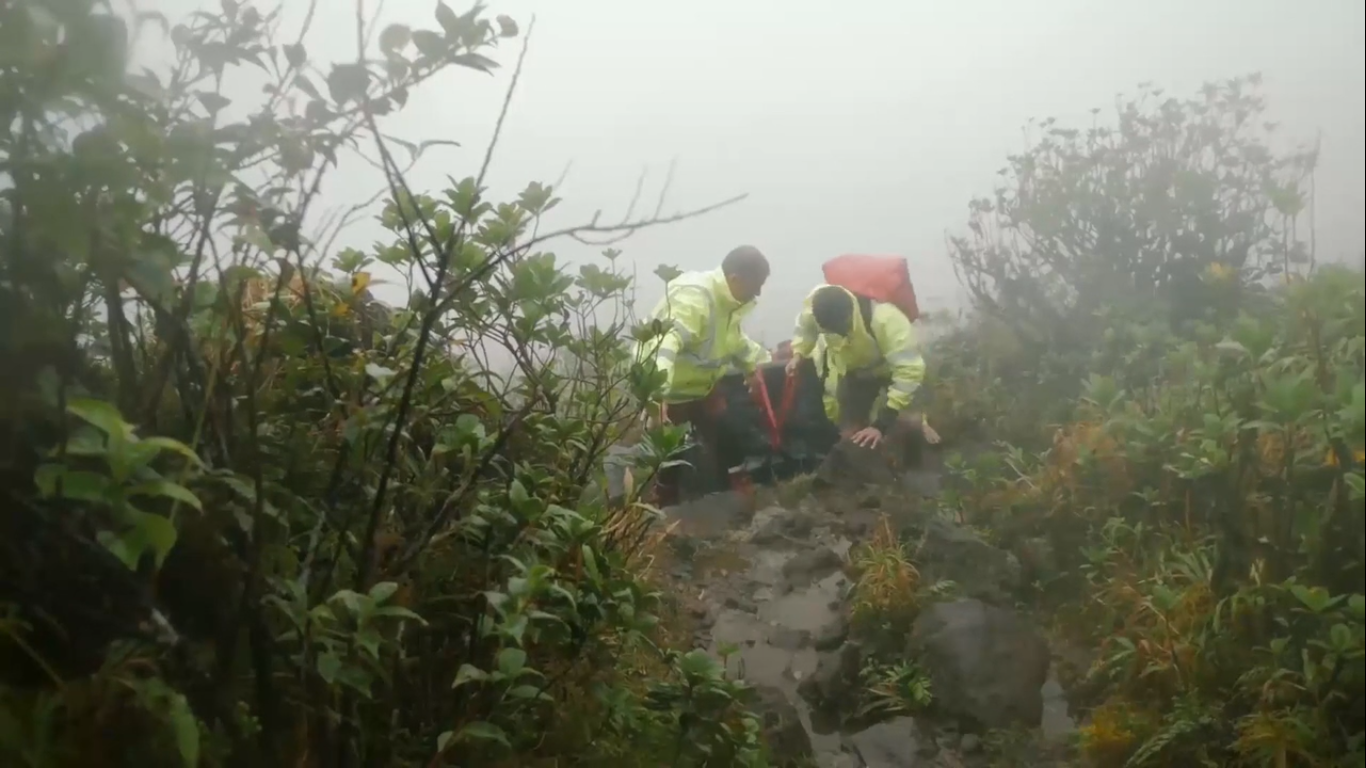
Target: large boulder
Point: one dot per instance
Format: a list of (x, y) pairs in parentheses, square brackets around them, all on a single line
[(985, 664), (947, 551), (852, 467)]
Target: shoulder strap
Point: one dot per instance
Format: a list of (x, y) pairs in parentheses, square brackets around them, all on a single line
[(865, 308)]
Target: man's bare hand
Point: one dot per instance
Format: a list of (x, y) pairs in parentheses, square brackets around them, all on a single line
[(931, 436), (791, 367), (868, 437)]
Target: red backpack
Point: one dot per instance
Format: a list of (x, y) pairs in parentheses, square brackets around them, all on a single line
[(881, 278)]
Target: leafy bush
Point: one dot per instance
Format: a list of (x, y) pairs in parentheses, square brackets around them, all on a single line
[(252, 515), (1146, 290), (1101, 236)]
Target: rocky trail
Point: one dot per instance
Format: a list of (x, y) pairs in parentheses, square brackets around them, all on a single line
[(769, 583)]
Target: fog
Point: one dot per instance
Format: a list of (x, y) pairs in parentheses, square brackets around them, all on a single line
[(866, 128)]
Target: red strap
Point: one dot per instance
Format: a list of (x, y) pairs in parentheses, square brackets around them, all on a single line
[(776, 421)]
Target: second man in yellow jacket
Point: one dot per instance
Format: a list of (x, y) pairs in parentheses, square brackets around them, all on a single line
[(865, 351)]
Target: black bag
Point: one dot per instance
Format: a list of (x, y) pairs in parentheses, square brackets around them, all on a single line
[(807, 434)]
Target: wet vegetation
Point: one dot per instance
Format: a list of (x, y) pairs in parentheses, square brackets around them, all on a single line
[(252, 516), (1172, 391)]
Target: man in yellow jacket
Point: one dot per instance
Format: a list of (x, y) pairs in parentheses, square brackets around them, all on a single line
[(702, 341), (861, 348)]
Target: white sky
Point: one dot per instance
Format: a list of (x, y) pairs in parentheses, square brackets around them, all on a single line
[(866, 128)]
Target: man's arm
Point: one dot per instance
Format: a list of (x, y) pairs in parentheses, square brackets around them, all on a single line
[(754, 355), (805, 333), (896, 338), (684, 314)]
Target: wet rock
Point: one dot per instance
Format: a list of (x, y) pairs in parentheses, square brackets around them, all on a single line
[(807, 608), (738, 603), (1058, 724), (811, 565), (951, 552), (788, 741), (850, 466), (892, 744), (782, 525), (832, 633), (859, 523), (712, 516), (834, 685), (970, 744), (737, 628), (704, 616), (986, 664), (922, 483), (788, 638)]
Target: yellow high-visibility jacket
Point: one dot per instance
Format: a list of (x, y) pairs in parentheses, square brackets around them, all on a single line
[(702, 340), (890, 351)]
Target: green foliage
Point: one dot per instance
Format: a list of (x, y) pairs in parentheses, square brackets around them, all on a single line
[(1202, 380), (253, 515), (900, 688)]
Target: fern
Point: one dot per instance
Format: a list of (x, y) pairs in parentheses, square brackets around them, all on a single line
[(1188, 721)]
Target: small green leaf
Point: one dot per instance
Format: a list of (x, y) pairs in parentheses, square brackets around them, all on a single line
[(186, 729), (507, 27), (469, 424), (528, 692), (590, 562), (398, 612), (378, 372), (213, 101), (429, 43), (447, 19), (168, 490), (348, 82), (295, 55), (174, 446), (77, 485), (511, 661), (328, 665), (483, 731), (517, 493), (145, 533), (101, 415), (85, 441), (394, 38), (383, 591), (1232, 347), (469, 674)]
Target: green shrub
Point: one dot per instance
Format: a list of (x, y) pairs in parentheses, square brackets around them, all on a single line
[(253, 516), (1201, 381)]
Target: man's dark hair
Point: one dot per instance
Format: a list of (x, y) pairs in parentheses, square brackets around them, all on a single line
[(745, 261), (833, 309)]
